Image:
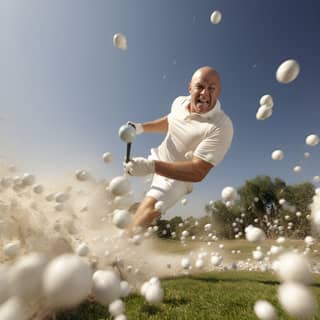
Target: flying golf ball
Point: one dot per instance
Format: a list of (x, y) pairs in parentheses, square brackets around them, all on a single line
[(316, 178), (312, 140), (82, 175), (297, 300), (121, 218), (254, 234), (120, 41), (185, 233), (294, 267), (154, 293), (215, 17), (67, 281), (277, 155), (199, 263), (25, 276), (107, 157), (119, 186), (137, 239), (281, 240), (257, 255), (61, 197), (309, 241), (287, 71), (297, 169), (266, 100), (216, 260), (11, 249), (116, 307), (38, 189), (28, 179), (185, 263), (264, 112), (106, 286), (82, 250), (184, 201), (229, 194), (50, 197), (265, 310), (125, 289)]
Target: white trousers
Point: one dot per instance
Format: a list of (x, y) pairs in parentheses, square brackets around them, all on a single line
[(169, 191)]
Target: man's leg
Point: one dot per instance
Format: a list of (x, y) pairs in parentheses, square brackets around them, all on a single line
[(144, 215)]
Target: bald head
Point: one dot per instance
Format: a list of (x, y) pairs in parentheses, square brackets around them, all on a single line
[(206, 72), (204, 89)]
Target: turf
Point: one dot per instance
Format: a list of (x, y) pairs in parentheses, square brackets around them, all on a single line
[(245, 247), (216, 295)]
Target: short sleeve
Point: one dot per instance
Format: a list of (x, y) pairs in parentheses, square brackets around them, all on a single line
[(178, 103), (216, 143)]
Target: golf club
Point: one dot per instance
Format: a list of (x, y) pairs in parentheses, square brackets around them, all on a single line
[(127, 133)]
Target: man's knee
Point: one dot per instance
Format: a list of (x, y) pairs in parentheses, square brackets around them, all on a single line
[(150, 212), (147, 205), (146, 210)]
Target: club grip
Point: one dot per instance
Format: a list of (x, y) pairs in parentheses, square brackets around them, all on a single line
[(128, 152)]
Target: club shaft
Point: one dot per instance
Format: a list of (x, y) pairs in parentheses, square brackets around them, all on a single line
[(128, 152)]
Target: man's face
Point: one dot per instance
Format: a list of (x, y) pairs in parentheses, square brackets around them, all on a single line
[(204, 90)]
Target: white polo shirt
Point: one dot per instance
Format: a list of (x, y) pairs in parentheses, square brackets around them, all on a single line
[(207, 135)]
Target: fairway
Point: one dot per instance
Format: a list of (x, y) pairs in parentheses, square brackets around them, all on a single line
[(245, 247), (218, 295), (205, 295)]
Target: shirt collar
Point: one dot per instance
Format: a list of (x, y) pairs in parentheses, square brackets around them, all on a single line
[(206, 115)]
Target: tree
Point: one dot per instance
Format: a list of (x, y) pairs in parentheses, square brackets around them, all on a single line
[(259, 204), (223, 217), (260, 195)]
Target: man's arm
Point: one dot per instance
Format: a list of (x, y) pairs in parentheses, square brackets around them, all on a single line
[(192, 171), (159, 125)]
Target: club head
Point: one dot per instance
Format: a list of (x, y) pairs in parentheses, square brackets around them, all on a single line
[(127, 133)]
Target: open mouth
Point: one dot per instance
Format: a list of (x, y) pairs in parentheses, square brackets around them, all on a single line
[(202, 102)]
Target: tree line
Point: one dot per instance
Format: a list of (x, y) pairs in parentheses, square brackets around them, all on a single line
[(270, 204)]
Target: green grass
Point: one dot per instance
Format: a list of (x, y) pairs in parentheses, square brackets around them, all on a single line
[(217, 295), (246, 247)]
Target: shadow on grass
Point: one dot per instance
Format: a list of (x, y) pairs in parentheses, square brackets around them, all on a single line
[(153, 310), (212, 279), (150, 309), (268, 282), (86, 310), (176, 302)]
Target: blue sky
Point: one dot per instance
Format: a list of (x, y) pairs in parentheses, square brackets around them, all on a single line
[(65, 89)]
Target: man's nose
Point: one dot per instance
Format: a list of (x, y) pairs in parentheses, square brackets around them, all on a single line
[(204, 91)]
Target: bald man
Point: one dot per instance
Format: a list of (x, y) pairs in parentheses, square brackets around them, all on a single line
[(198, 135)]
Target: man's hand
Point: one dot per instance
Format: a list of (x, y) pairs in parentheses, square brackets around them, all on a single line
[(137, 126), (139, 167)]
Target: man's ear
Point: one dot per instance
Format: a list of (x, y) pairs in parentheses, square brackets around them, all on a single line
[(189, 87), (218, 91)]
